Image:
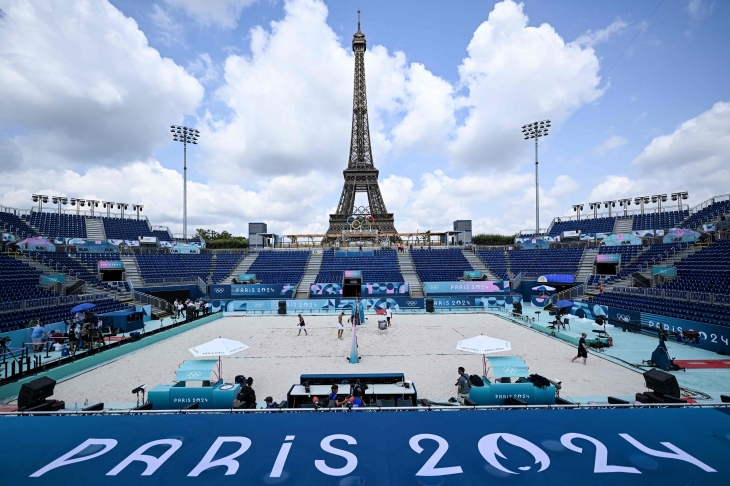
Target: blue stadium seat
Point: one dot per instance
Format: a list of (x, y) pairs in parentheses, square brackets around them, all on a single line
[(381, 267)]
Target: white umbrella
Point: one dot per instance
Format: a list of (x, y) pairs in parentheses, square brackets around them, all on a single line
[(218, 347), (483, 345)]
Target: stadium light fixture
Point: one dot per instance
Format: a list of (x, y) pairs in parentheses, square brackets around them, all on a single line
[(609, 205), (679, 197), (40, 199), (185, 136), (92, 204), (122, 207), (659, 199), (58, 200), (641, 200), (108, 205), (138, 208), (626, 202), (595, 206), (577, 208), (536, 130)]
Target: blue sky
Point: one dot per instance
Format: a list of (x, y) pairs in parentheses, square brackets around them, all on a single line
[(637, 91)]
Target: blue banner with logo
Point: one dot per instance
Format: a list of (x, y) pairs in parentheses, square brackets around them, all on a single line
[(111, 265), (608, 258), (433, 289), (596, 447), (385, 288), (252, 291)]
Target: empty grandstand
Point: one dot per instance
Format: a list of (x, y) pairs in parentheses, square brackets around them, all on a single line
[(592, 226), (545, 261), (15, 224), (664, 220), (381, 267), (276, 267), (126, 229), (446, 265), (174, 268), (496, 261), (707, 270), (58, 225)]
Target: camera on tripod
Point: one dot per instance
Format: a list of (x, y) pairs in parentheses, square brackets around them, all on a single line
[(4, 341)]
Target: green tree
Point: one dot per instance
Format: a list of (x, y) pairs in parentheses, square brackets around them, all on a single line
[(222, 240), (493, 239)]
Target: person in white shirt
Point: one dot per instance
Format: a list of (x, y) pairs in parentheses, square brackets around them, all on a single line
[(388, 314), (340, 327)]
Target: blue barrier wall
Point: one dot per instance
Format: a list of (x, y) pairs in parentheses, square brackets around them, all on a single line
[(596, 447), (433, 289), (253, 291)]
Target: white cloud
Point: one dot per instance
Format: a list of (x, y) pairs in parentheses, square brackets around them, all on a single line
[(698, 9), (170, 32), (291, 100), (204, 69), (516, 74), (591, 38), (694, 158), (218, 13), (611, 143), (285, 202), (69, 93)]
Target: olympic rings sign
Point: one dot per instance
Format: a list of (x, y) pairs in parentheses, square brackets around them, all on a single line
[(361, 222)]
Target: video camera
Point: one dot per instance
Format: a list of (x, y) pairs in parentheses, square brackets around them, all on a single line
[(4, 341)]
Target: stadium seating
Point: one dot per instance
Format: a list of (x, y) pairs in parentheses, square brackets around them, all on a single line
[(707, 270), (681, 309), (592, 226), (127, 229), (495, 261), (649, 255), (19, 281), (381, 267), (10, 221), (224, 265), (440, 265), (664, 220), (705, 215), (74, 264), (168, 268), (279, 267), (48, 315), (545, 261), (56, 225), (162, 235)]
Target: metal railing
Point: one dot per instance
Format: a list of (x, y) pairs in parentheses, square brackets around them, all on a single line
[(155, 302), (569, 294), (49, 302), (687, 295), (517, 281), (202, 286)]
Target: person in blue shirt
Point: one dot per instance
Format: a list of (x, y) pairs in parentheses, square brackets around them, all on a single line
[(269, 402), (333, 396), (355, 400), (37, 335)]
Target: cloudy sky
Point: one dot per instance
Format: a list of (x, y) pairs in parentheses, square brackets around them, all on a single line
[(638, 93)]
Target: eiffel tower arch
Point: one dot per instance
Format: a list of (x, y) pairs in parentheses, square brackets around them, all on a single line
[(361, 174)]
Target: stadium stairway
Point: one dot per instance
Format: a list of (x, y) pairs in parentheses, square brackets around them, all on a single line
[(131, 270), (477, 264), (70, 280), (242, 267), (585, 268), (509, 266), (670, 261), (95, 229), (623, 224), (405, 262), (310, 275)]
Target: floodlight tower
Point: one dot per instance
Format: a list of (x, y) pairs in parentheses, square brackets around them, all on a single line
[(185, 135), (641, 200), (595, 206), (40, 199), (625, 203), (536, 130), (609, 205), (577, 208), (659, 199), (679, 196)]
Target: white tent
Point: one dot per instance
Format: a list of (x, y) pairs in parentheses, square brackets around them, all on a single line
[(218, 347), (483, 345)]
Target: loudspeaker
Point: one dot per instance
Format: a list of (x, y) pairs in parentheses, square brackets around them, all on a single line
[(282, 307), (469, 403), (662, 382), (617, 401), (135, 336), (34, 392), (97, 407), (725, 398), (641, 398), (429, 305)]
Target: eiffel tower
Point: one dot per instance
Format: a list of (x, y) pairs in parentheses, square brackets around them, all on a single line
[(360, 175)]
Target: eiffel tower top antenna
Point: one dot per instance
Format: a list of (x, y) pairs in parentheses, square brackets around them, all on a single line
[(358, 19)]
